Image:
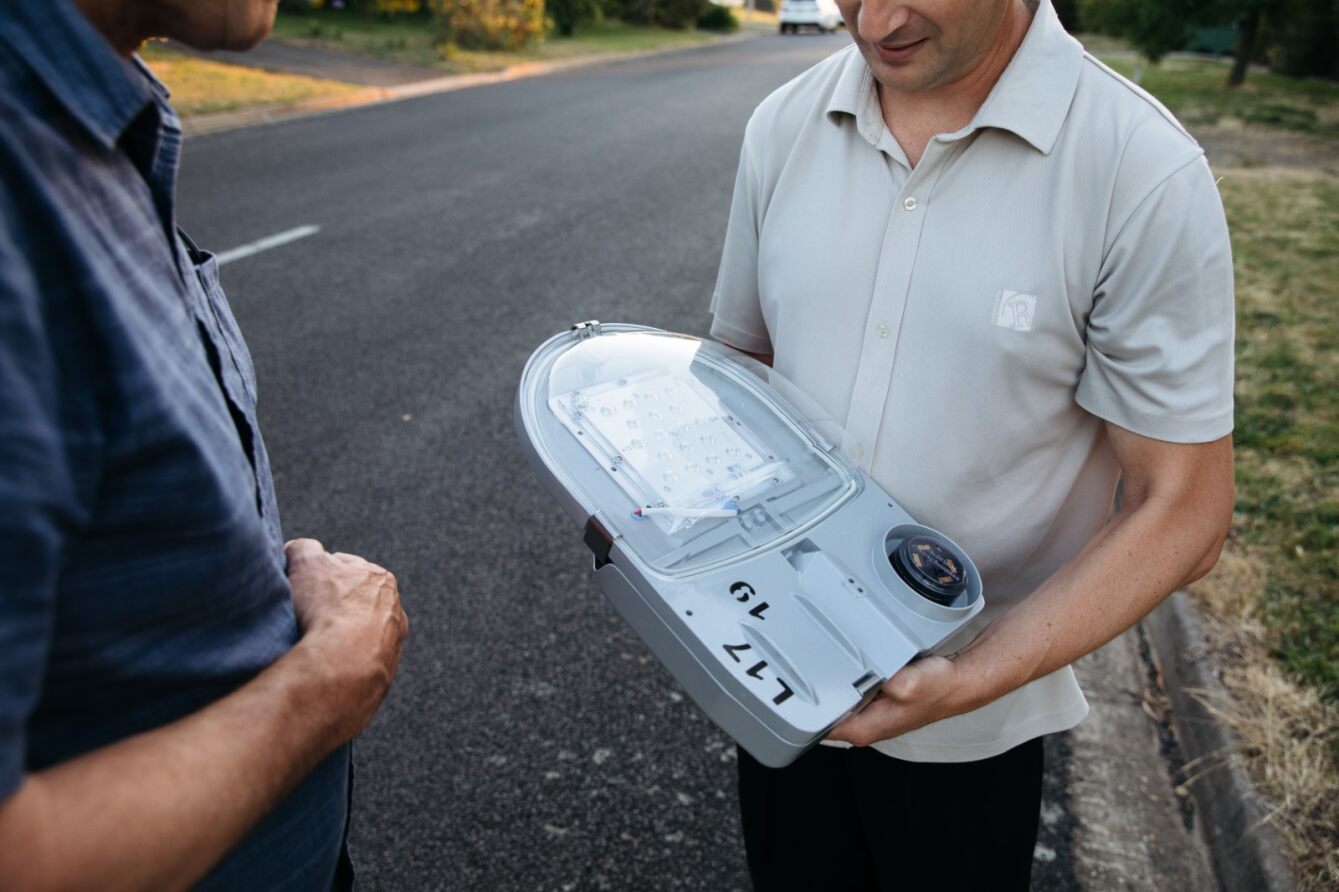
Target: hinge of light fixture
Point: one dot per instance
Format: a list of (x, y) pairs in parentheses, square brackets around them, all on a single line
[(587, 329), (866, 685)]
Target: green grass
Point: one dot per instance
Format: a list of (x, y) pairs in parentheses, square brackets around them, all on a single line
[(1285, 236), (408, 39), (200, 87), (1195, 90), (1098, 44), (1285, 240)]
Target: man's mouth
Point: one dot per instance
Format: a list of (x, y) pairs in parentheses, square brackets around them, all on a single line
[(899, 52)]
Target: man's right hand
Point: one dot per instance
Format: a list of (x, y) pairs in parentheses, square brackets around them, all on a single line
[(156, 810), (353, 628)]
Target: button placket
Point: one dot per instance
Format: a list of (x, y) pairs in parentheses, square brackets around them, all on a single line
[(892, 285)]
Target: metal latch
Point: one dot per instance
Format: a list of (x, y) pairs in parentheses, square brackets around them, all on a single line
[(587, 329), (598, 540)]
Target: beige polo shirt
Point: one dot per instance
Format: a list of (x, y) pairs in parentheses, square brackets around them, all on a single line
[(1060, 262)]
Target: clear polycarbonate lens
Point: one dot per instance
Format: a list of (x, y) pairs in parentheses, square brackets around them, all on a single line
[(680, 450), (675, 462)]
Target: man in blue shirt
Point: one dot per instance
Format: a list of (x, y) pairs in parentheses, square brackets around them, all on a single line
[(177, 687)]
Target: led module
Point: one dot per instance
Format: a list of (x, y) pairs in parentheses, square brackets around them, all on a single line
[(775, 580)]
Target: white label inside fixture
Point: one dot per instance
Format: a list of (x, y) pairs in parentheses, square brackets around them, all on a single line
[(669, 444)]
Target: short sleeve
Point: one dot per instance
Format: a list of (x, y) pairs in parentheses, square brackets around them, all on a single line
[(38, 502), (736, 310), (1160, 335)]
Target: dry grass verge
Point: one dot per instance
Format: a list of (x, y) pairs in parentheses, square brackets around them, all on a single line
[(200, 86), (1286, 731), (1271, 607)]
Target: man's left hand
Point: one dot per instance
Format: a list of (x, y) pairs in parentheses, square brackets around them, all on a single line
[(920, 693)]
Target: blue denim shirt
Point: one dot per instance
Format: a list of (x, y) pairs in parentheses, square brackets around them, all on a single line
[(142, 573)]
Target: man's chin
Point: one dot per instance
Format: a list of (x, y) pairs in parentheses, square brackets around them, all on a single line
[(235, 35), (250, 41), (247, 38), (911, 76)]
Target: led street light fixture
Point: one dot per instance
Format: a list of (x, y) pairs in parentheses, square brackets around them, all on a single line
[(775, 580)]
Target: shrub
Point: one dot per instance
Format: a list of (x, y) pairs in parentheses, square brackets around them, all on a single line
[(487, 24), (679, 13), (1308, 42), (566, 14), (717, 18), (666, 13)]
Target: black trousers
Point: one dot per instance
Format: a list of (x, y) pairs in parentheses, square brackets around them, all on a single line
[(855, 819)]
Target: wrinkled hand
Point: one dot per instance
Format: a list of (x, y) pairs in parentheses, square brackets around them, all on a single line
[(922, 692), (352, 627)]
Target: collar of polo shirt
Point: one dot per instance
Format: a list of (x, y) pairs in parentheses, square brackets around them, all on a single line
[(1031, 99)]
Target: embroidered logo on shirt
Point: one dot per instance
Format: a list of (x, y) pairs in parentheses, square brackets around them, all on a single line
[(1015, 310)]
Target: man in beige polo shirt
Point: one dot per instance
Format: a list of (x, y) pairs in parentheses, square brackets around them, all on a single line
[(1007, 270)]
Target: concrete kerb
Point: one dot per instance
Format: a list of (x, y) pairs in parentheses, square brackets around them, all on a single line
[(247, 117), (1246, 850)]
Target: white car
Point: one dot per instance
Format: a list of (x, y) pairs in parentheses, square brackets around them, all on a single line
[(820, 14)]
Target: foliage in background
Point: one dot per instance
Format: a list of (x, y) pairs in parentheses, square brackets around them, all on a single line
[(1308, 41), (1297, 37), (362, 7), (717, 18), (425, 40), (1154, 27), (507, 25), (567, 13), (515, 24), (1068, 11), (680, 13), (665, 13)]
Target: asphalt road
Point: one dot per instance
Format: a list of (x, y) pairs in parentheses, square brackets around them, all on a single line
[(530, 741)]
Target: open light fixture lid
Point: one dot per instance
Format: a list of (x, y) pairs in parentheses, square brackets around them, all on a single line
[(673, 444)]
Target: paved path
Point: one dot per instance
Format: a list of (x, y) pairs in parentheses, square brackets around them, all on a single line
[(530, 742), (291, 58)]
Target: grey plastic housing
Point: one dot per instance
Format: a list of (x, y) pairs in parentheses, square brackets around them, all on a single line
[(794, 617)]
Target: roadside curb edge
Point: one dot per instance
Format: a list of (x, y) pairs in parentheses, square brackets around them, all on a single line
[(1246, 850), (232, 120)]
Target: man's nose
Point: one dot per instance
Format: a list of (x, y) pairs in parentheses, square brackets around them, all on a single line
[(879, 18)]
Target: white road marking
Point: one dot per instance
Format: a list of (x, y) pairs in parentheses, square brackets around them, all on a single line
[(265, 244)]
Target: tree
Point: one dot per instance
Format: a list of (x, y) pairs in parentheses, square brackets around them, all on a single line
[(1302, 34), (566, 13), (1307, 40), (1260, 23), (1068, 11), (1154, 27), (1248, 34)]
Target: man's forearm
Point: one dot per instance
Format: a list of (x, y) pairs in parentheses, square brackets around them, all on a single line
[(1176, 512), (157, 810), (1145, 553)]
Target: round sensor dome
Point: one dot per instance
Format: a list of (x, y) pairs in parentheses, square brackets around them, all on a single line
[(933, 569)]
